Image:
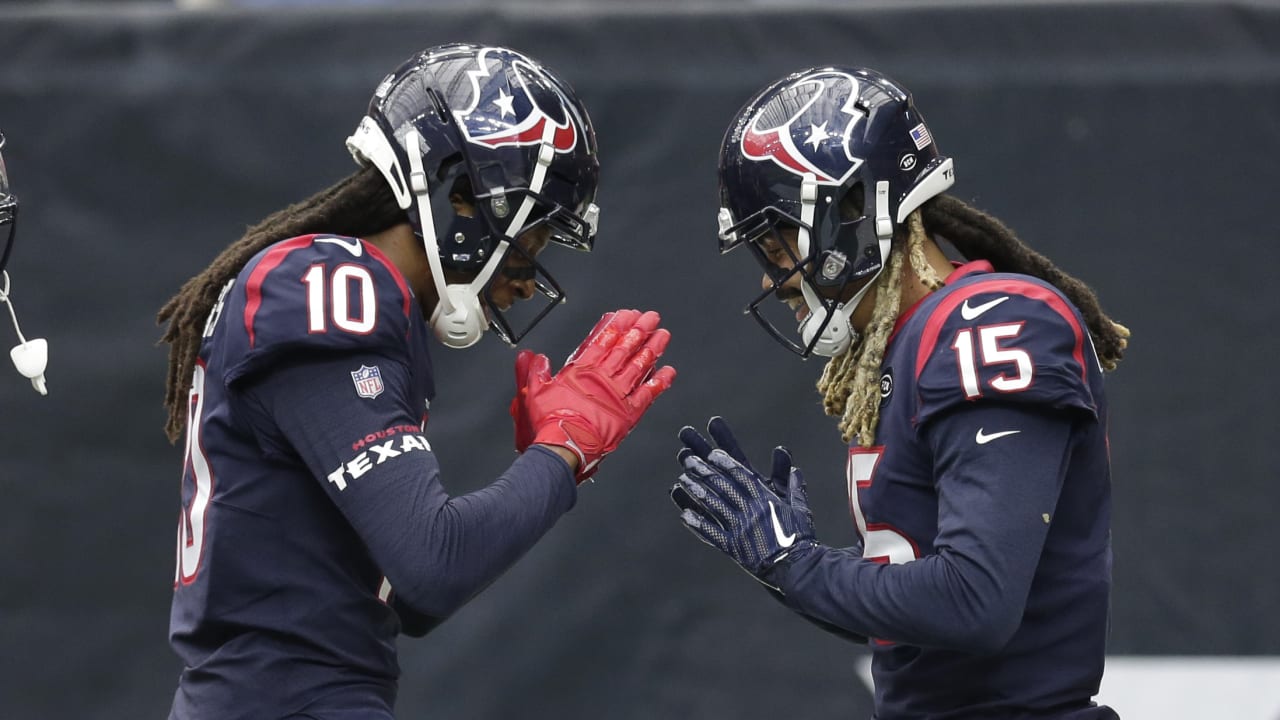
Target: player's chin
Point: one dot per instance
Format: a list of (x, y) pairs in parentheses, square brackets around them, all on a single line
[(800, 307), (493, 310)]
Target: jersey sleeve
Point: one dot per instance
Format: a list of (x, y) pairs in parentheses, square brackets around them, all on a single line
[(994, 503), (377, 467), (1006, 339), (316, 294)]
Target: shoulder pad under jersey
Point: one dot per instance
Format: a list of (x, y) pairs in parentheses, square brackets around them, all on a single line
[(316, 293), (1002, 337)]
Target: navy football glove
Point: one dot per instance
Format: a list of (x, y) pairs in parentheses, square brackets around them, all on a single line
[(755, 520)]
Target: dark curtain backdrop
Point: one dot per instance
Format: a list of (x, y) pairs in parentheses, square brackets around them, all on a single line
[(1134, 143)]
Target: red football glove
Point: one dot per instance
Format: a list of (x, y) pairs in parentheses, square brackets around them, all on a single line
[(524, 362), (599, 395)]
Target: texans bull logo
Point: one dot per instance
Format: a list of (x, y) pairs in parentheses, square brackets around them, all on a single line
[(799, 143), (517, 108)]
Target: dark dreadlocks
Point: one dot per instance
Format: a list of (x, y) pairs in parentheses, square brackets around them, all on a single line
[(359, 205), (978, 235), (848, 383)]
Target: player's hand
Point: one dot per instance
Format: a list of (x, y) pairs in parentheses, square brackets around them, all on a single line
[(599, 395), (755, 520), (525, 372), (519, 413)]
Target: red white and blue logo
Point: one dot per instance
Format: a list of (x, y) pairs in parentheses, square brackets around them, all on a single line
[(806, 128), (368, 381), (520, 106)]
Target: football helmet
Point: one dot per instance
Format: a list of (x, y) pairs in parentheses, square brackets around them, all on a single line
[(502, 130), (804, 147), (8, 212)]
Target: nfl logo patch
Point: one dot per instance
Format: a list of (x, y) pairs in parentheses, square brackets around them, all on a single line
[(368, 381)]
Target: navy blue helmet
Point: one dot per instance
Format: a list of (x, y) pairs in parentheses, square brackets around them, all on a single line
[(493, 125), (8, 212), (842, 155)]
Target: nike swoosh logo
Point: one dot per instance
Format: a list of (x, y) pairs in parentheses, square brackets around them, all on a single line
[(983, 438), (971, 313), (784, 539), (351, 246)]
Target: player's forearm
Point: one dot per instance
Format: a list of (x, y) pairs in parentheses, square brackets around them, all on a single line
[(937, 601), (992, 523), (464, 543), (568, 457), (827, 627)]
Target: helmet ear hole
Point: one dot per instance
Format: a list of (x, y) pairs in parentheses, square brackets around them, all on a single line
[(853, 204), (462, 188)]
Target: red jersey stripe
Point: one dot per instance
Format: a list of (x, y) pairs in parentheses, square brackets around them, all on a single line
[(269, 262), (933, 326)]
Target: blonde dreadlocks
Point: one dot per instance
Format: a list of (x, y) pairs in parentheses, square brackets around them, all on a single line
[(849, 383)]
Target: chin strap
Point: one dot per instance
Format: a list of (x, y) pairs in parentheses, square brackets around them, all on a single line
[(458, 320), (830, 332), (833, 331), (546, 153), (838, 334), (30, 357), (457, 326)]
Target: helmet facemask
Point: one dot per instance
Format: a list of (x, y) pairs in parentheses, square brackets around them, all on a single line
[(512, 323), (853, 257), (841, 155), (763, 232), (486, 245)]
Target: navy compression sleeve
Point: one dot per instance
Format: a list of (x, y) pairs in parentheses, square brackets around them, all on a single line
[(970, 595), (437, 551)]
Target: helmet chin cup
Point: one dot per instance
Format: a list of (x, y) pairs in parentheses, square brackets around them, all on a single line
[(31, 358), (464, 323), (836, 337)]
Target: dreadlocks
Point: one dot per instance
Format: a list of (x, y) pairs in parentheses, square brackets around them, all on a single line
[(359, 205), (848, 382)]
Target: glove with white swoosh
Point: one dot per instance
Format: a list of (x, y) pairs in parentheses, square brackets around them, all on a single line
[(755, 520)]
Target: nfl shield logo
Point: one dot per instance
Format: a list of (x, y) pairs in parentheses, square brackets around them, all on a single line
[(368, 381)]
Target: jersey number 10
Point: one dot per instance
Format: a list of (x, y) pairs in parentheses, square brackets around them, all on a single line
[(347, 299)]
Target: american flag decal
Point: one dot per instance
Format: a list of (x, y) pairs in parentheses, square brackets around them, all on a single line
[(368, 381), (920, 136)]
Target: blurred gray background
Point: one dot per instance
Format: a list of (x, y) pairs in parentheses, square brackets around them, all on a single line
[(1135, 143)]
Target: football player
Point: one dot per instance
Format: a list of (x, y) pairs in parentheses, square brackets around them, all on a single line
[(971, 396), (29, 356), (8, 212), (314, 527)]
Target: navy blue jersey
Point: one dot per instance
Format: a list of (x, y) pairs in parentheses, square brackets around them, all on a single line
[(314, 528), (983, 508)]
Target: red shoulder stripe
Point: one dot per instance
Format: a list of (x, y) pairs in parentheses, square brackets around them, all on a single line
[(269, 262), (933, 326)]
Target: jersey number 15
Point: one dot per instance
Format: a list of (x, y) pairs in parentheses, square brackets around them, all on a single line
[(989, 350)]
